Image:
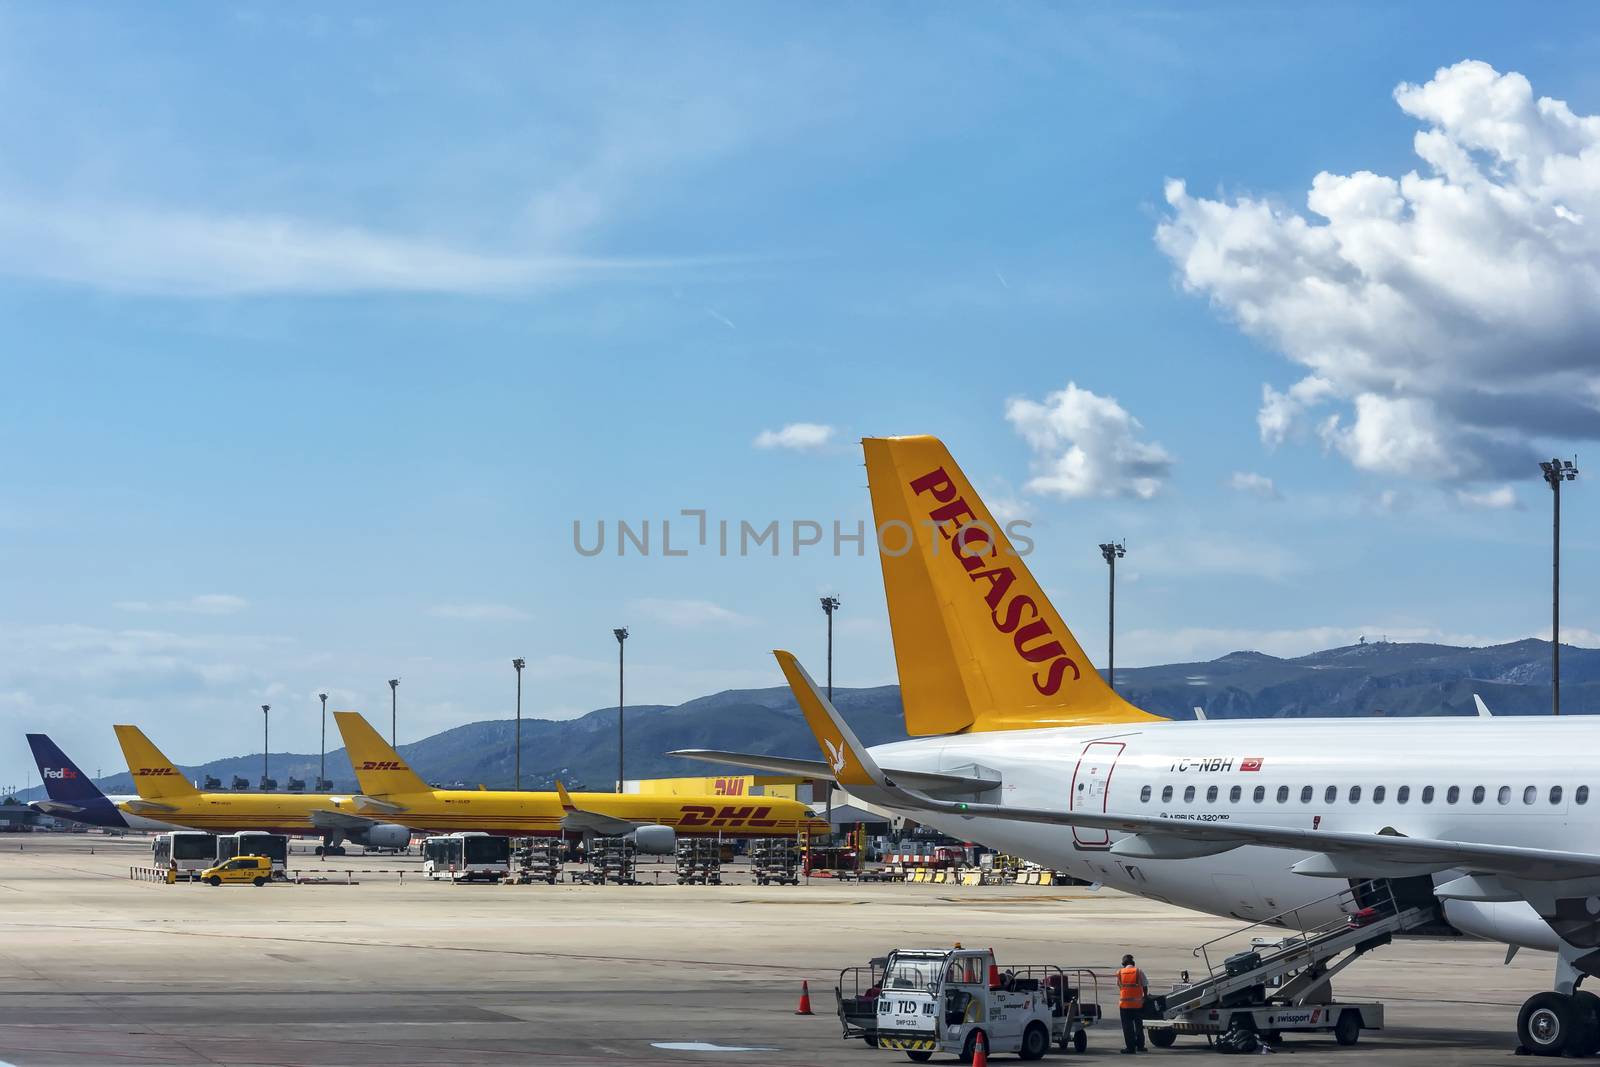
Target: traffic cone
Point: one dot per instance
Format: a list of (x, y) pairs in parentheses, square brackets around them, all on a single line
[(805, 999), (980, 1051)]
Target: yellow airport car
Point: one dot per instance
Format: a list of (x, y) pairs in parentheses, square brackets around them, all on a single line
[(256, 870)]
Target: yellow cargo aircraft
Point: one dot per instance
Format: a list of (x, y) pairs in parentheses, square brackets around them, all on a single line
[(654, 822), (165, 794)]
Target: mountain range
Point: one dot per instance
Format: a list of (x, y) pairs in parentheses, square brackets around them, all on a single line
[(1368, 678)]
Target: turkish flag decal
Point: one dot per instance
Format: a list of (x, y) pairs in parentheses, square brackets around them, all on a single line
[(1251, 763)]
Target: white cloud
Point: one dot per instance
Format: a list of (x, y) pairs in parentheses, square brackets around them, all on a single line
[(1088, 445), (475, 612), (1254, 484), (188, 253), (1447, 320), (686, 612), (799, 436), (205, 604), (1208, 554), (1500, 498)]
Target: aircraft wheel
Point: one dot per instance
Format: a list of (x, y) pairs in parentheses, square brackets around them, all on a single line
[(1347, 1031), (1585, 1024), (215, 879), (1545, 1023), (1162, 1037)]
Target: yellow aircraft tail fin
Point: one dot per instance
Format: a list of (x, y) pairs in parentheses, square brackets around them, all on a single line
[(977, 643), (154, 776), (379, 768)]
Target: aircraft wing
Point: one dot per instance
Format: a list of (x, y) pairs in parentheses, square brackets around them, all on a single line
[(590, 822), (1333, 853), (929, 782), (328, 819)]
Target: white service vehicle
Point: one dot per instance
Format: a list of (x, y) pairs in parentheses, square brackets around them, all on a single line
[(941, 1000), (468, 856)]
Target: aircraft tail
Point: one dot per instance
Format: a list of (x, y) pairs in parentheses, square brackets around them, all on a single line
[(63, 781), (379, 768), (978, 644), (154, 776)]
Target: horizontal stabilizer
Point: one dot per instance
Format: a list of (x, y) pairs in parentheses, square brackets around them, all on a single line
[(373, 804), (54, 807), (927, 781), (146, 807)]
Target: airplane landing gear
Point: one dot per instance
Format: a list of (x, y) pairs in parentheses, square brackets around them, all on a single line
[(1557, 1024)]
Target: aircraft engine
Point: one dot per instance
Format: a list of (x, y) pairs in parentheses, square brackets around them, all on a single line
[(384, 835), (655, 840)]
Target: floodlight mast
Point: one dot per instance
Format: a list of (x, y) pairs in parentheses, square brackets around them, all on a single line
[(1555, 472), (266, 721), (517, 665), (621, 634), (1112, 553), (830, 604)]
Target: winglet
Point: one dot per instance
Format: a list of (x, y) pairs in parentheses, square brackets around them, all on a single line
[(565, 797), (840, 747), (1483, 709)]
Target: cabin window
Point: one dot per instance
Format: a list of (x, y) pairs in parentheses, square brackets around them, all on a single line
[(1144, 794), (1305, 795), (1478, 793), (1188, 795), (1504, 796), (1283, 794), (1555, 794), (1427, 794), (1452, 794), (1355, 794), (1166, 794), (1402, 794), (1211, 795), (1530, 794), (1260, 793), (1377, 794), (1234, 794), (1581, 794), (1330, 794)]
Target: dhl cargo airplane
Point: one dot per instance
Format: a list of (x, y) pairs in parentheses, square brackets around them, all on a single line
[(654, 822), (165, 794), (73, 795), (1487, 827)]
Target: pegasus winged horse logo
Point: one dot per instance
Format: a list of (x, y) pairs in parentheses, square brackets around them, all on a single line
[(836, 754)]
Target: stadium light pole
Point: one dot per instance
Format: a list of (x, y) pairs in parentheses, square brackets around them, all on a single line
[(517, 665), (1112, 553), (394, 700), (830, 604), (266, 722), (621, 634), (1555, 472), (322, 756)]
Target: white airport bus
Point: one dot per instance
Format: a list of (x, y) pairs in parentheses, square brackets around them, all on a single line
[(467, 856), (254, 843), (184, 850)]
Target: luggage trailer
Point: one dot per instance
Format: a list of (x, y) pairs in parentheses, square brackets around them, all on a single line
[(1284, 985)]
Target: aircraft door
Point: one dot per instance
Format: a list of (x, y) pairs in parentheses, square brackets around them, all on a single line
[(1091, 784)]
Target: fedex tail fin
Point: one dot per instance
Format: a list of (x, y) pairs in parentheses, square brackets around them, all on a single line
[(154, 776), (978, 644), (379, 768), (63, 781)]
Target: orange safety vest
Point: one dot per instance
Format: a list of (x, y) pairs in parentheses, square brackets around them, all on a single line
[(1130, 988)]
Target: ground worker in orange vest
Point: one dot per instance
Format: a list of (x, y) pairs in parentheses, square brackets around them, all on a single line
[(1132, 988)]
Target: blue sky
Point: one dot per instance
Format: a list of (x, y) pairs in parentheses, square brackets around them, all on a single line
[(320, 327)]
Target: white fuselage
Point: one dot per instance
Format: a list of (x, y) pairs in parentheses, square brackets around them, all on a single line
[(1517, 781)]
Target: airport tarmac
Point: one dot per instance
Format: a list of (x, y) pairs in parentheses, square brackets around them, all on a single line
[(102, 970)]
